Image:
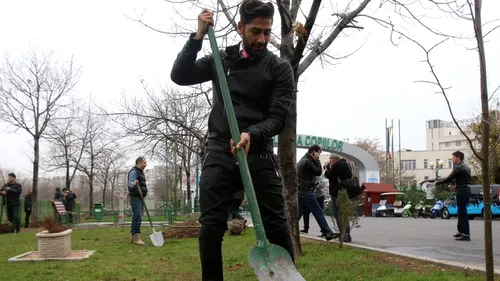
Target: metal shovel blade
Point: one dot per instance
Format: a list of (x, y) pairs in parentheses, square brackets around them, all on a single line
[(273, 264), (157, 238)]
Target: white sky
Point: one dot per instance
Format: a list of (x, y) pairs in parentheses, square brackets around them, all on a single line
[(348, 100)]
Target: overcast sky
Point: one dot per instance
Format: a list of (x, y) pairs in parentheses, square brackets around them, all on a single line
[(348, 100)]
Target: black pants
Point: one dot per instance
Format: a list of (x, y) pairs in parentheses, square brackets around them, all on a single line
[(235, 208), (27, 218), (307, 212), (220, 178), (463, 195), (13, 217)]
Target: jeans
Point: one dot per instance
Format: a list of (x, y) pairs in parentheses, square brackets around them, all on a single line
[(463, 196), (13, 217), (307, 202), (220, 178), (335, 208), (136, 204), (321, 202)]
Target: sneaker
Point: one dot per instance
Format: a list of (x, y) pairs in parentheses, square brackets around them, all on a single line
[(304, 231), (458, 234), (322, 235), (463, 238)]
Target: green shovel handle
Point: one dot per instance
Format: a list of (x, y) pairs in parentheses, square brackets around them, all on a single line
[(260, 234)]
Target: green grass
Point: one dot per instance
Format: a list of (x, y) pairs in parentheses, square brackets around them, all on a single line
[(116, 259)]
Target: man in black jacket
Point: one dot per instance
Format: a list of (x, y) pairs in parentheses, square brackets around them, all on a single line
[(136, 181), (461, 176), (308, 169), (69, 202), (12, 191), (261, 86)]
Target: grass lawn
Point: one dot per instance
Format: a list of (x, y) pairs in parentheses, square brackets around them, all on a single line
[(116, 259)]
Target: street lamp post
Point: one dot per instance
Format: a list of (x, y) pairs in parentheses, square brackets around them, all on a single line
[(439, 166), (196, 198)]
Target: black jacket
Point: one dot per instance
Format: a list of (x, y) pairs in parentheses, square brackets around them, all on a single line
[(336, 173), (460, 175), (307, 170), (12, 197), (27, 203), (69, 200), (141, 177), (261, 91)]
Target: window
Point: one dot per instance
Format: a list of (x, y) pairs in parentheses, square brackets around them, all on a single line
[(450, 163), (409, 165), (447, 144), (426, 178), (458, 143), (425, 164)]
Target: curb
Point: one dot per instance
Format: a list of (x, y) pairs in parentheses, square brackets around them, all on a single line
[(454, 264)]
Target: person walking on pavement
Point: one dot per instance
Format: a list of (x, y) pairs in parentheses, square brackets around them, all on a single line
[(461, 175), (136, 178), (27, 208), (11, 191), (319, 194), (261, 85), (308, 169)]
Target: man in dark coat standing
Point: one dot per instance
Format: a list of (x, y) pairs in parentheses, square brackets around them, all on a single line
[(12, 191)]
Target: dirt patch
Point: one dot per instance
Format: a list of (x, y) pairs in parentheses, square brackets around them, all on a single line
[(52, 226), (187, 229), (6, 228)]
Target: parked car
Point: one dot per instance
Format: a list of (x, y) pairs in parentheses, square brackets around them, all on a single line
[(475, 207)]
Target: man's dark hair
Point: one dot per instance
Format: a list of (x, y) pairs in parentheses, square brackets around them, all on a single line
[(12, 175), (314, 148), (252, 9), (459, 154), (139, 159)]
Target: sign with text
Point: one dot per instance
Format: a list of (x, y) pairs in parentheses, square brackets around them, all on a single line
[(305, 141)]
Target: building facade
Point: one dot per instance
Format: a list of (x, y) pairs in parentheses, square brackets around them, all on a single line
[(442, 139)]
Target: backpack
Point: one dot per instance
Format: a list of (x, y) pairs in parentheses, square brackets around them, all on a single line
[(352, 186)]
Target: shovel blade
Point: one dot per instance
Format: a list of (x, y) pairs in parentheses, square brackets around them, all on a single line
[(273, 264), (157, 238)]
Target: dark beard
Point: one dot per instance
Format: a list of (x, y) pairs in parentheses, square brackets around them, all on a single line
[(249, 48)]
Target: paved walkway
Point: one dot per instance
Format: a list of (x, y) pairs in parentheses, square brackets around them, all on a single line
[(429, 239)]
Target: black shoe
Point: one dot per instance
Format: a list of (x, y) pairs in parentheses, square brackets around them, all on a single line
[(322, 235), (304, 231), (463, 238), (457, 235), (348, 239), (329, 236)]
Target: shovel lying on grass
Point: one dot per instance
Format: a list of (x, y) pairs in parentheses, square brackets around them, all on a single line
[(156, 237), (269, 261)]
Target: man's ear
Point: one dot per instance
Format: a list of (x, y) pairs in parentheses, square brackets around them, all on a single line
[(240, 28)]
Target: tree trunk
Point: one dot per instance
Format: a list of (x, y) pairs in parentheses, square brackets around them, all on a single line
[(488, 242), (34, 191), (287, 148), (66, 154)]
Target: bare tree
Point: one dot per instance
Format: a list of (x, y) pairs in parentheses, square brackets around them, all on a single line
[(106, 172), (98, 142), (67, 139), (32, 90)]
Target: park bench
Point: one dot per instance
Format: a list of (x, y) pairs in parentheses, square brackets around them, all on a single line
[(60, 211)]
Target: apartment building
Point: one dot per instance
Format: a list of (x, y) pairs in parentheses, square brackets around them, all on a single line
[(442, 139)]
